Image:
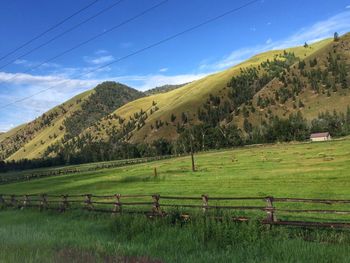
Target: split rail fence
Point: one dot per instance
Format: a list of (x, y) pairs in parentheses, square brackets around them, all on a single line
[(271, 210)]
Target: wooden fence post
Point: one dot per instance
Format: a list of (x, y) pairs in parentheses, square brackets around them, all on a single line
[(43, 202), (26, 201), (64, 203), (117, 205), (156, 206), (271, 216), (155, 172), (205, 199), (14, 201), (88, 203)]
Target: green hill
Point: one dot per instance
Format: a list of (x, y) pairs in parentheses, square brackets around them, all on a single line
[(30, 140), (64, 121), (5, 135), (159, 108), (244, 103)]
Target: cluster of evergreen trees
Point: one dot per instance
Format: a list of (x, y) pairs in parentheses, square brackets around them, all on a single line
[(106, 97)]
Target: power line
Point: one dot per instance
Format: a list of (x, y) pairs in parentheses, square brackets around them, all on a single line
[(94, 37), (63, 33), (145, 48), (49, 29)]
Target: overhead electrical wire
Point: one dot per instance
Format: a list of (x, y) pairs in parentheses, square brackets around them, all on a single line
[(48, 30), (176, 35), (142, 13), (62, 34)]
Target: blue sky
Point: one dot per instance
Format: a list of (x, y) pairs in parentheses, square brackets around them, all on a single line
[(268, 24)]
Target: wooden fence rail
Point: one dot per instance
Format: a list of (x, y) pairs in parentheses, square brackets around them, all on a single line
[(158, 205)]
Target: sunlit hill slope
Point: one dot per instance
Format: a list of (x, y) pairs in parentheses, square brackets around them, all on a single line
[(310, 79)]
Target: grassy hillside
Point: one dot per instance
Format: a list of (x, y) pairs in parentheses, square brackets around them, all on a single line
[(31, 140), (5, 135), (65, 121), (189, 98), (315, 96), (162, 89)]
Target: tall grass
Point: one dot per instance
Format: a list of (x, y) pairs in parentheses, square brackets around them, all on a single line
[(29, 236)]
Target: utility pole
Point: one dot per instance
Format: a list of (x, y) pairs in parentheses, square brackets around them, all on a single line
[(192, 156)]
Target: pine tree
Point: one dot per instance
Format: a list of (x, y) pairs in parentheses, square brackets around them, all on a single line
[(172, 117), (336, 36)]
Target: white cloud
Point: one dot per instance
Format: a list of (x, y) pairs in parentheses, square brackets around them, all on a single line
[(101, 52), (236, 57), (29, 64), (268, 41), (46, 80), (347, 7), (318, 31), (20, 61), (47, 91), (99, 60), (6, 127), (163, 70)]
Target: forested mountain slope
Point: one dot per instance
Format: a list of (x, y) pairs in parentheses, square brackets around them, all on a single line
[(64, 121), (31, 139), (163, 115), (280, 95)]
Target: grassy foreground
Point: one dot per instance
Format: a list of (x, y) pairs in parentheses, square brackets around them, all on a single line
[(317, 170), (27, 236)]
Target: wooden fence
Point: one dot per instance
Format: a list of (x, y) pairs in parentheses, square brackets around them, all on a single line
[(157, 205), (7, 178)]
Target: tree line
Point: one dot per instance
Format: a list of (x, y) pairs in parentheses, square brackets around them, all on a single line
[(201, 137)]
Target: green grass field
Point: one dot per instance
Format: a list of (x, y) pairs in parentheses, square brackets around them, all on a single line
[(293, 170), (314, 170)]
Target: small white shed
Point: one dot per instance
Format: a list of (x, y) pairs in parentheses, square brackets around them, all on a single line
[(320, 137)]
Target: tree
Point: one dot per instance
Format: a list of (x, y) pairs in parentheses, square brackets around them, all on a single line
[(162, 147), (306, 45), (247, 126), (336, 36), (233, 136), (184, 118)]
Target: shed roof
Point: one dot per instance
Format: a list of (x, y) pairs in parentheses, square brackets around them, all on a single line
[(320, 135)]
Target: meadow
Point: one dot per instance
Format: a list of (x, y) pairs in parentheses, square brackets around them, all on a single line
[(305, 170), (318, 170)]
